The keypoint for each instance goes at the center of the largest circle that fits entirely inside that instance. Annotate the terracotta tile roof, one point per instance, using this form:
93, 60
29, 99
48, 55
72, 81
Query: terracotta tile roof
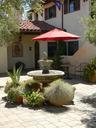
35, 26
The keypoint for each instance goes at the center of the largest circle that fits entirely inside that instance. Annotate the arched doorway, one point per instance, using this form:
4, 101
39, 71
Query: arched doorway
36, 55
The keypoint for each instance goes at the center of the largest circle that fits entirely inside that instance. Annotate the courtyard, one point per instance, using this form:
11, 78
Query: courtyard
76, 115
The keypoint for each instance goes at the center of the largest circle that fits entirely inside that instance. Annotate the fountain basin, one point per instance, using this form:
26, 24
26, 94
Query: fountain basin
46, 78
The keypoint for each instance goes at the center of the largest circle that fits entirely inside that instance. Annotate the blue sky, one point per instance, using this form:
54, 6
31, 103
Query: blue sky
26, 8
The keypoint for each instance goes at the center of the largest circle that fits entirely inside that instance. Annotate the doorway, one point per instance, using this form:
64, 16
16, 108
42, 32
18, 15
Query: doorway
36, 54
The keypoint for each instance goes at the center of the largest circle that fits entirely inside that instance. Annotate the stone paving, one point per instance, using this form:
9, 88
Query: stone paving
78, 115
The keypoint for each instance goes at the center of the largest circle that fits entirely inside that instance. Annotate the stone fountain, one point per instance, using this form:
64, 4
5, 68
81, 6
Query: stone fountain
45, 75
45, 63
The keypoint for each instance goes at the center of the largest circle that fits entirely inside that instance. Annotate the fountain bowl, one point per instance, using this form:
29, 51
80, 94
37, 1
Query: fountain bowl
46, 78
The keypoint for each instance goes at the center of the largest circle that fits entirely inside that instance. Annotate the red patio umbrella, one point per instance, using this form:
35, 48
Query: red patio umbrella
56, 34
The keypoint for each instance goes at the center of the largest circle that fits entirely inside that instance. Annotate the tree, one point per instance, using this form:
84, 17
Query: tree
91, 23
10, 17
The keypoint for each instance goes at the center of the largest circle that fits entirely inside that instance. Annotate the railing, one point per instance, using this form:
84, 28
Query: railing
77, 70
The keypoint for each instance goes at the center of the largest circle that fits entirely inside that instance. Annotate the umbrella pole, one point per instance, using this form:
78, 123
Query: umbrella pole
57, 46
67, 48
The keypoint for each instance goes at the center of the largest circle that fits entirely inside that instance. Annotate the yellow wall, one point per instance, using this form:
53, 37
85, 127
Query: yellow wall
3, 59
28, 56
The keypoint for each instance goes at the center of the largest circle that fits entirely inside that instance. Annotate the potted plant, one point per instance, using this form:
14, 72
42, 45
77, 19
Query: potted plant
90, 71
14, 96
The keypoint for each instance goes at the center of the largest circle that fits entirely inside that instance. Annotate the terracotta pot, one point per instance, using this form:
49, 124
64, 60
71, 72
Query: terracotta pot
19, 99
93, 78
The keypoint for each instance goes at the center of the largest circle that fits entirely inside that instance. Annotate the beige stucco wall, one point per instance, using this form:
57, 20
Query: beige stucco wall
43, 48
72, 21
40, 16
28, 56
73, 24
3, 59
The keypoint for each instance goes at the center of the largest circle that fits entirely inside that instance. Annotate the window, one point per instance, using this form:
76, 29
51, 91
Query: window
52, 47
65, 48
50, 12
68, 48
72, 47
17, 50
71, 6
66, 6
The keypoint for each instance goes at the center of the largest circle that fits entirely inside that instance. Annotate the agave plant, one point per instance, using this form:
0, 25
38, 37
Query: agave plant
15, 76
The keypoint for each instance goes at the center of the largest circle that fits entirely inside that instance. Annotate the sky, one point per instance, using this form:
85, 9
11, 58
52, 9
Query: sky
26, 8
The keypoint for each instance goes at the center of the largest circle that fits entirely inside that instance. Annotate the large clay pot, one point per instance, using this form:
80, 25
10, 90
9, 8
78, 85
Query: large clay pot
19, 99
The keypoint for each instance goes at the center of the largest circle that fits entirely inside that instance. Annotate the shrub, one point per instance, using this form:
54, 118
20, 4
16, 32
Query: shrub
8, 86
57, 62
59, 93
14, 96
90, 69
34, 99
31, 85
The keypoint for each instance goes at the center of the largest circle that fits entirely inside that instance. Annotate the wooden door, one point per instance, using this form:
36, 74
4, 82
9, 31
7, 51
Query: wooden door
36, 55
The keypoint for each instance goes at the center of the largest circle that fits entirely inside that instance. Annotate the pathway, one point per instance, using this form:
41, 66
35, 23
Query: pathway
78, 115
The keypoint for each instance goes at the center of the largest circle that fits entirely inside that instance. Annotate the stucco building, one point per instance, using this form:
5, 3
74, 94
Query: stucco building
28, 51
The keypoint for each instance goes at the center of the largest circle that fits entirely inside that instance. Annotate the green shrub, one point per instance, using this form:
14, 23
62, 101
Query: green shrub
34, 99
14, 95
15, 76
57, 61
31, 85
90, 69
59, 93
8, 86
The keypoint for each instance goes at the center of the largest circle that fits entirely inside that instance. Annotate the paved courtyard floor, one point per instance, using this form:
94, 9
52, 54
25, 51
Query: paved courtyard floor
78, 115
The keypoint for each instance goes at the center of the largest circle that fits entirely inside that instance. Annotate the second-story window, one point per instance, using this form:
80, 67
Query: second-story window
71, 6
66, 10
50, 12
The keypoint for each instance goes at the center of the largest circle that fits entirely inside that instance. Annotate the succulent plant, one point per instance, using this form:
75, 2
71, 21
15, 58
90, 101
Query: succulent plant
33, 99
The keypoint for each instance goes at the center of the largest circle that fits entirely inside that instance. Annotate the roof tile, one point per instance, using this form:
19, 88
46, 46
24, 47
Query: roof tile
35, 26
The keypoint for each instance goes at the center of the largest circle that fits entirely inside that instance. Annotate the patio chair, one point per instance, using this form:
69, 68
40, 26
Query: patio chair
78, 70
